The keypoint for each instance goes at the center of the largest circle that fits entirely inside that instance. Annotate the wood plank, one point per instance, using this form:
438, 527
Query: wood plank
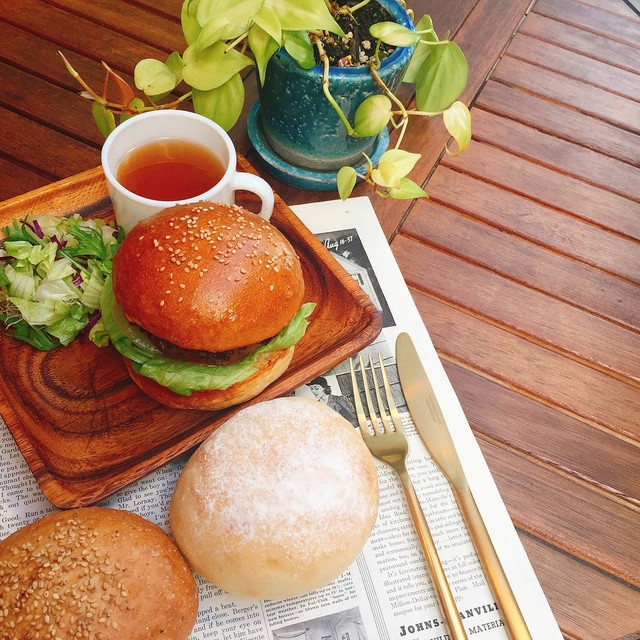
525, 262
150, 27
598, 47
526, 366
44, 62
585, 98
446, 15
600, 531
576, 65
43, 150
619, 7
560, 122
48, 103
617, 27
17, 179
564, 234
89, 39
607, 605
534, 429
550, 188
167, 7
502, 299
566, 157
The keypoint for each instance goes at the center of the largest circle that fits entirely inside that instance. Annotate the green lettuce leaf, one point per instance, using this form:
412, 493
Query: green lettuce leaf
185, 377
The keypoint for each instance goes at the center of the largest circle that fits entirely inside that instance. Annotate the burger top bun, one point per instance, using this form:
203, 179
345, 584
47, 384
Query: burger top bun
208, 276
95, 573
278, 501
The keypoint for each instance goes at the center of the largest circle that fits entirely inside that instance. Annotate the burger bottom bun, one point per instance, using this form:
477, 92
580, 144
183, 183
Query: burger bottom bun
278, 501
270, 367
95, 573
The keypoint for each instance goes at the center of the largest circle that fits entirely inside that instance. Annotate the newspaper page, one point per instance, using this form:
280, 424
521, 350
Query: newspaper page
387, 593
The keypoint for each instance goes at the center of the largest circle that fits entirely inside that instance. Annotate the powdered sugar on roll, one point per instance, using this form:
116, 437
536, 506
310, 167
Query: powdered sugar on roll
278, 501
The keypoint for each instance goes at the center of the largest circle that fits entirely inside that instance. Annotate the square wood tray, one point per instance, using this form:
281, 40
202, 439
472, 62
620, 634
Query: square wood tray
85, 429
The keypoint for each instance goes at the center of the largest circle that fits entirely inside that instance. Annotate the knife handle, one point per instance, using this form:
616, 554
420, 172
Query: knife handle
513, 619
438, 577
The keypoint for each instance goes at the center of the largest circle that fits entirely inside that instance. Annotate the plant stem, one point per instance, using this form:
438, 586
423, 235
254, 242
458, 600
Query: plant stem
355, 7
83, 84
413, 112
325, 89
388, 92
237, 41
116, 107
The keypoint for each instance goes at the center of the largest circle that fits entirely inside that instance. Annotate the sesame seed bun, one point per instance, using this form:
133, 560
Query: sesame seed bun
208, 276
95, 573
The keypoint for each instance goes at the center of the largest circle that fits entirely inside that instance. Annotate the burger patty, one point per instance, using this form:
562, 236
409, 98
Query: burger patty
197, 356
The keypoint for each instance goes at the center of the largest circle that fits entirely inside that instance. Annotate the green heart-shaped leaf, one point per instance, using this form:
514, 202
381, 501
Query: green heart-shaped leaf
298, 46
153, 77
408, 190
372, 116
263, 47
346, 181
223, 104
457, 120
424, 47
268, 20
211, 68
304, 15
175, 63
212, 32
441, 78
395, 34
188, 20
393, 166
103, 118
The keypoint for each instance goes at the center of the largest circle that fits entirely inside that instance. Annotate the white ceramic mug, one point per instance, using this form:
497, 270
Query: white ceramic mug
130, 208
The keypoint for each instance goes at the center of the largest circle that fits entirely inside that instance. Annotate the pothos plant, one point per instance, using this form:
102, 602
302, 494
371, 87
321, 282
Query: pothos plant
225, 38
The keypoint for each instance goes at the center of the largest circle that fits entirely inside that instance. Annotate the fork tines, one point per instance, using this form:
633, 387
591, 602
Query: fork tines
379, 423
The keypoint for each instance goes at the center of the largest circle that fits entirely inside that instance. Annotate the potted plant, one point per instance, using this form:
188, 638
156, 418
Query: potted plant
290, 43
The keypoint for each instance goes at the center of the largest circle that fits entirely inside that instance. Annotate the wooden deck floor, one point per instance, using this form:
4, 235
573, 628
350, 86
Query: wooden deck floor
530, 244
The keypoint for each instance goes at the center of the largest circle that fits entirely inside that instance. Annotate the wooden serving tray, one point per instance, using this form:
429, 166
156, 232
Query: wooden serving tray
85, 429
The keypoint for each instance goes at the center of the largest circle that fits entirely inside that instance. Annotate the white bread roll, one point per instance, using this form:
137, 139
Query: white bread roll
278, 501
95, 573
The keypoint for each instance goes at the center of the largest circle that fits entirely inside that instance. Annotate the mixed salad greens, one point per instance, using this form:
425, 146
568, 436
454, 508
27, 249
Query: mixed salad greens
52, 271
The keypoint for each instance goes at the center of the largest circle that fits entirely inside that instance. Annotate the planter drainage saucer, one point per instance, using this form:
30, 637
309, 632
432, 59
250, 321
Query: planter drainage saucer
296, 176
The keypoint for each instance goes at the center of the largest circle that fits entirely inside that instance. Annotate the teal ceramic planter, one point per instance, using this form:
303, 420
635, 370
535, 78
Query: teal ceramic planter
298, 124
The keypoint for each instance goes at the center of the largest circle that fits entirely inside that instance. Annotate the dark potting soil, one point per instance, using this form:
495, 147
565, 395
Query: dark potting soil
360, 45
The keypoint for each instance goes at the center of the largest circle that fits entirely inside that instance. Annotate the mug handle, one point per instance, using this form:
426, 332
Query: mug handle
249, 182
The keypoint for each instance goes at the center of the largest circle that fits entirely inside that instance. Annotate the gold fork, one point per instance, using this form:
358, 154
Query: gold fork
387, 441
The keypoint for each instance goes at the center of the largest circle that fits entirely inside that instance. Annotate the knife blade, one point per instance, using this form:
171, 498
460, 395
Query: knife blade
430, 423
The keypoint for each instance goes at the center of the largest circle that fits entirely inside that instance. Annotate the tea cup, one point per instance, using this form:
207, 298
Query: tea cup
142, 129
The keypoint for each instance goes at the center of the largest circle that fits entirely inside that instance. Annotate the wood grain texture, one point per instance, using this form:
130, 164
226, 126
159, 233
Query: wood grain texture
525, 263
585, 98
86, 430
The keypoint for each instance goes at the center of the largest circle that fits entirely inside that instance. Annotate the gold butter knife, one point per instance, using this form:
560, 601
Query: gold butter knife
430, 423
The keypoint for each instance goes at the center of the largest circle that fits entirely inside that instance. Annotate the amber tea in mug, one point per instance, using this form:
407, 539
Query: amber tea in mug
170, 169
196, 138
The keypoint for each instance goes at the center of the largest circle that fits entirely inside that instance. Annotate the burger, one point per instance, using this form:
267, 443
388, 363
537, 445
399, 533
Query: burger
205, 304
